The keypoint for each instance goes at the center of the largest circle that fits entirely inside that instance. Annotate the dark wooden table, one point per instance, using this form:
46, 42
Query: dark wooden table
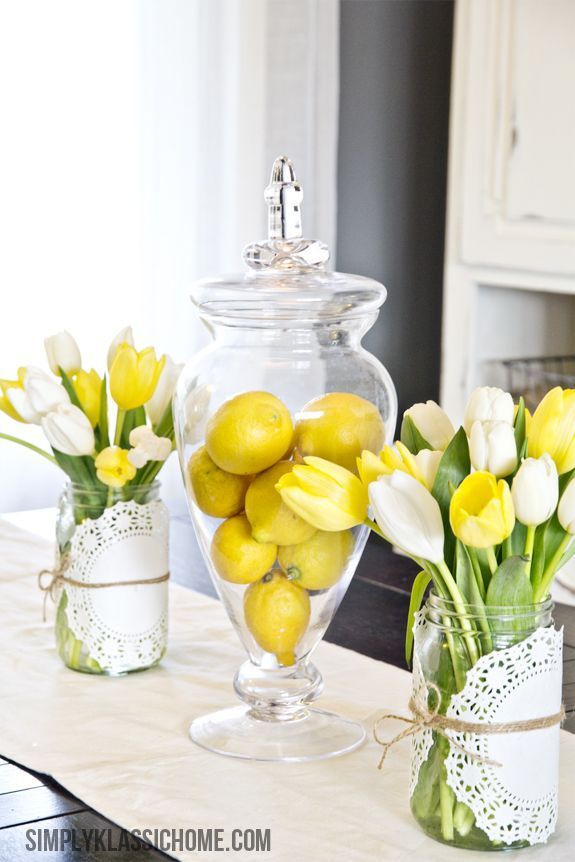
371, 620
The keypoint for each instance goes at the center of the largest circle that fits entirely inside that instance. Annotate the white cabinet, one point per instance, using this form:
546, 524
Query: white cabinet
510, 254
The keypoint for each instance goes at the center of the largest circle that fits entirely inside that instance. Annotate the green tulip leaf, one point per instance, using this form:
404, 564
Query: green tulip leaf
510, 585
133, 419
453, 468
520, 430
102, 426
418, 589
69, 387
548, 537
411, 437
466, 577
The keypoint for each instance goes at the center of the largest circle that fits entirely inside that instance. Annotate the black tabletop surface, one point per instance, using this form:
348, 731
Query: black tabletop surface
371, 620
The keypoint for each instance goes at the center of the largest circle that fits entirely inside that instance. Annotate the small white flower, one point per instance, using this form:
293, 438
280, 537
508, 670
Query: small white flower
147, 446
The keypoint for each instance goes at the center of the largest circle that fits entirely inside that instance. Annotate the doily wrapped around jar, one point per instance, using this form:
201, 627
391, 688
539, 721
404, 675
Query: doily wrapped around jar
505, 784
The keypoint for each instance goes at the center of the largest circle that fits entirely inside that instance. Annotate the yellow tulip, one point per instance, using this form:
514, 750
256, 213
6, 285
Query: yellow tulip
327, 496
553, 429
481, 512
134, 375
422, 466
5, 404
88, 388
370, 467
113, 467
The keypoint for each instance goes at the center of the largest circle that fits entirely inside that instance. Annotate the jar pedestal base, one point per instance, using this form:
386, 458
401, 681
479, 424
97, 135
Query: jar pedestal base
312, 734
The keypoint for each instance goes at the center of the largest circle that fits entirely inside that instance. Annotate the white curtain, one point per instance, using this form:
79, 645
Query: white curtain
137, 138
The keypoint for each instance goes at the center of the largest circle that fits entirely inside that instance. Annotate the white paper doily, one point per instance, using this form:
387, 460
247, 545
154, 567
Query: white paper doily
122, 627
516, 801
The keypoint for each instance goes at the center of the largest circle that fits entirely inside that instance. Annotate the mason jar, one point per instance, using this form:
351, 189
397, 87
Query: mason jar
482, 790
110, 582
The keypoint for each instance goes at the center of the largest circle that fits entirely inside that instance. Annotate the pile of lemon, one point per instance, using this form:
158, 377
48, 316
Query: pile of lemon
250, 443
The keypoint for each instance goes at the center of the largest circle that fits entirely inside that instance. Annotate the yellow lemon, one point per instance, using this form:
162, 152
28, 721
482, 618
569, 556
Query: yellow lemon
216, 492
318, 563
236, 556
270, 518
277, 613
338, 427
249, 433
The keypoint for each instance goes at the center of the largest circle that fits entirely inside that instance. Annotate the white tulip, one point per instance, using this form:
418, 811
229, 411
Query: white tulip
427, 462
147, 446
43, 392
433, 424
566, 510
63, 352
535, 490
408, 515
124, 336
20, 401
492, 447
158, 403
68, 430
488, 404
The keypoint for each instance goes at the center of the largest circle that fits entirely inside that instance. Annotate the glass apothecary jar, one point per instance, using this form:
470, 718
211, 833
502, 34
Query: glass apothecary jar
498, 790
111, 581
285, 378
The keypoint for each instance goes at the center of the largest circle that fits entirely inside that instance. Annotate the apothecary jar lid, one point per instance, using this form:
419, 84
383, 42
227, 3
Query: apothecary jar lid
286, 278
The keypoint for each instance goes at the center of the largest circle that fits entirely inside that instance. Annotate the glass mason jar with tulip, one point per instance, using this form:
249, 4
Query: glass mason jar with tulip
110, 577
489, 524
270, 420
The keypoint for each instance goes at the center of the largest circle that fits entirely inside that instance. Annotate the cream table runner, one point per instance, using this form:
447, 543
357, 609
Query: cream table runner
121, 745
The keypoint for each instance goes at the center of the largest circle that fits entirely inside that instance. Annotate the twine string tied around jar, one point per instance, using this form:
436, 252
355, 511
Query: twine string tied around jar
423, 716
50, 580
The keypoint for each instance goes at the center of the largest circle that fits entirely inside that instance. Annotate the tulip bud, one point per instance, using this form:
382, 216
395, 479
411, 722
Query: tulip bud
134, 376
433, 424
408, 515
15, 402
158, 403
492, 447
326, 495
68, 430
44, 393
147, 446
124, 336
481, 511
553, 428
488, 404
63, 353
535, 490
566, 510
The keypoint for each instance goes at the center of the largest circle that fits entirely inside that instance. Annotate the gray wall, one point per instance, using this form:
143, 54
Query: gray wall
394, 113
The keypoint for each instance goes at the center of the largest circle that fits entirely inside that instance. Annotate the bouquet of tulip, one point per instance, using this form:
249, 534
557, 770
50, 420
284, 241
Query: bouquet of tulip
108, 473
72, 407
487, 513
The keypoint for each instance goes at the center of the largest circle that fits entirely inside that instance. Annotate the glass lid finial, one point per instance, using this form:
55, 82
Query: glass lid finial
285, 247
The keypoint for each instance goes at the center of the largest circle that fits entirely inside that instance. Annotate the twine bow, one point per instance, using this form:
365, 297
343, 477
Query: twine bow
423, 716
50, 580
